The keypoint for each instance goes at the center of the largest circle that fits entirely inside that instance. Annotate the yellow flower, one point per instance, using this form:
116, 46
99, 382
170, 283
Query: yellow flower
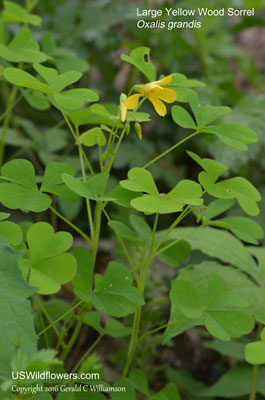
123, 107
155, 93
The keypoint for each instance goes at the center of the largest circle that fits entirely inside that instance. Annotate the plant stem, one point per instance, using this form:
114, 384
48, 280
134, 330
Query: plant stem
61, 317
255, 370
137, 316
94, 344
10, 102
170, 149
73, 226
253, 389
89, 214
47, 315
123, 247
73, 337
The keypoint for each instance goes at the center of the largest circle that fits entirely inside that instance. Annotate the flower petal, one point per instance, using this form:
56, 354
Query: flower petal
133, 101
159, 105
123, 111
167, 95
164, 81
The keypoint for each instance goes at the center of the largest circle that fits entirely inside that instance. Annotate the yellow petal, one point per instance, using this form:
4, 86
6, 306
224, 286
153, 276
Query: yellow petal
123, 111
167, 95
159, 106
133, 101
164, 81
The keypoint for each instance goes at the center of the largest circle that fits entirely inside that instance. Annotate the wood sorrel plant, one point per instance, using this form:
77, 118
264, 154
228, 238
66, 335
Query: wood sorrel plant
225, 298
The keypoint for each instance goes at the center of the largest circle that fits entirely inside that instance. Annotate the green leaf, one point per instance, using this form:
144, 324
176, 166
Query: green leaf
255, 353
140, 180
156, 204
169, 392
24, 79
55, 81
141, 227
234, 135
90, 189
92, 137
212, 167
180, 80
217, 207
24, 48
11, 233
175, 253
182, 117
116, 329
227, 349
140, 58
22, 192
36, 99
184, 295
210, 302
208, 241
127, 394
122, 196
187, 192
240, 188
82, 282
114, 293
15, 311
4, 215
15, 13
244, 228
139, 380
235, 383
53, 182
47, 266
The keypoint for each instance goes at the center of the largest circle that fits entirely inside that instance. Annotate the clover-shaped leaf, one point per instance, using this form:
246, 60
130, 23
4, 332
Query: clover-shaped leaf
46, 265
23, 48
21, 191
211, 303
140, 58
15, 13
114, 293
244, 228
140, 180
91, 189
92, 137
212, 167
255, 352
240, 188
53, 182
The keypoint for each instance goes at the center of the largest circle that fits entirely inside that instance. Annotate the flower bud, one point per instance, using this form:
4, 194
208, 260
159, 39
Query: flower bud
127, 128
138, 130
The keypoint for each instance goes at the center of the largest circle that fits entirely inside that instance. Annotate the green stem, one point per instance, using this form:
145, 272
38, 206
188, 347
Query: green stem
254, 380
94, 344
10, 102
137, 315
159, 328
47, 315
89, 213
170, 149
255, 370
123, 247
73, 226
73, 337
60, 318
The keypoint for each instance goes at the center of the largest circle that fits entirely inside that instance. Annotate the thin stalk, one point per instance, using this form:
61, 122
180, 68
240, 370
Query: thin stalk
184, 213
255, 370
61, 317
89, 213
47, 315
6, 122
73, 338
159, 328
137, 315
2, 116
94, 344
123, 247
73, 226
170, 149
